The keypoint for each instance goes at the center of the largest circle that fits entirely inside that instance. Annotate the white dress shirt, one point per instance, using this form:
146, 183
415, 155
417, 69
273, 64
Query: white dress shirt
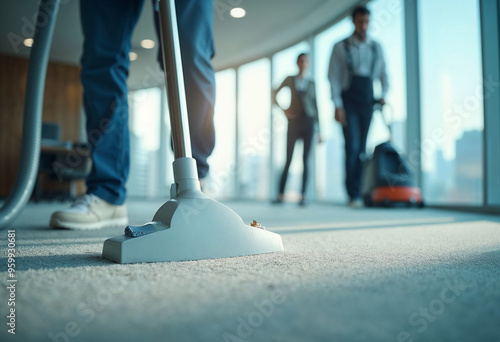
362, 61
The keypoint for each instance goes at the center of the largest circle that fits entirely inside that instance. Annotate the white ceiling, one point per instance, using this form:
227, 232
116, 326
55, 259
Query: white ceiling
269, 26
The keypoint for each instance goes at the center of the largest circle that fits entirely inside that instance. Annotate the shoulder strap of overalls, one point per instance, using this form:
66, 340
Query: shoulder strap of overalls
350, 66
374, 59
348, 56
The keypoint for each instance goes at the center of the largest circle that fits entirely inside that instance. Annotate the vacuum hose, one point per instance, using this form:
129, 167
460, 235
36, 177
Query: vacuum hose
32, 119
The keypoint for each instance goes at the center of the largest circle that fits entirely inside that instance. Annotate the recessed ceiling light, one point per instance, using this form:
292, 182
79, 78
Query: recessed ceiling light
238, 12
28, 42
147, 43
132, 56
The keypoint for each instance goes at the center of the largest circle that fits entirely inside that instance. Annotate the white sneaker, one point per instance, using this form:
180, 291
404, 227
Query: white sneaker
90, 212
356, 203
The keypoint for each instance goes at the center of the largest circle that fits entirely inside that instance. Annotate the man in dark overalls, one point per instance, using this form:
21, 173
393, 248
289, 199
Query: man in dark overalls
355, 63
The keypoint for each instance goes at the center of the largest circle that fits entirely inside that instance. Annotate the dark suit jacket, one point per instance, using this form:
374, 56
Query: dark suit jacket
305, 103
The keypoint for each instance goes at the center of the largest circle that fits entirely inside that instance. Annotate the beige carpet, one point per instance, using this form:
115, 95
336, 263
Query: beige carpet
345, 275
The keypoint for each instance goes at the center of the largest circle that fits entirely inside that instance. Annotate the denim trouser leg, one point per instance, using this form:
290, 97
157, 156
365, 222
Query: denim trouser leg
195, 22
358, 116
107, 28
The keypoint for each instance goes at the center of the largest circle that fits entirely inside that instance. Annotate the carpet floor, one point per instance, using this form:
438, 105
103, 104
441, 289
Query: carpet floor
345, 275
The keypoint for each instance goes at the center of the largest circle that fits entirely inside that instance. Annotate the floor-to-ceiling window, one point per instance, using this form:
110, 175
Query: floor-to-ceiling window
250, 151
254, 133
145, 114
451, 101
387, 28
220, 182
330, 173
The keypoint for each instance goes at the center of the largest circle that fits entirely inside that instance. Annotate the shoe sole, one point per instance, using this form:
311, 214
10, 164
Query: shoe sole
58, 224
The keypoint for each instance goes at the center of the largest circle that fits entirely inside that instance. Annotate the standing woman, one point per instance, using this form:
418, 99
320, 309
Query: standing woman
302, 118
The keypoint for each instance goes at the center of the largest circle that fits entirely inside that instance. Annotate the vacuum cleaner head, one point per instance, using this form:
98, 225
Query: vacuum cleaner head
190, 226
388, 180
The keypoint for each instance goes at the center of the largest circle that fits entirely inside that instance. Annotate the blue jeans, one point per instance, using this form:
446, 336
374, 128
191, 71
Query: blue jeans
358, 106
107, 28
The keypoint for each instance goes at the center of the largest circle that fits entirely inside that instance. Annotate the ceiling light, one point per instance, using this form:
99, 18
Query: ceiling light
147, 43
238, 12
28, 42
132, 56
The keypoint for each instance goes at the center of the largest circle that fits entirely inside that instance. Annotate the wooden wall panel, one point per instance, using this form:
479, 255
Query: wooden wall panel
62, 104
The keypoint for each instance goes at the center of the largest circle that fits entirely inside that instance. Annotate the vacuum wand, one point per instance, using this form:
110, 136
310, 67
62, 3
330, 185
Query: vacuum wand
174, 78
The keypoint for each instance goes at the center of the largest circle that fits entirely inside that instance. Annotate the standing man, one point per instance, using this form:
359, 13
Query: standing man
355, 63
107, 29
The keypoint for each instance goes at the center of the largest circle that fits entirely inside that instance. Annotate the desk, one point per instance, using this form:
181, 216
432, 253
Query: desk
82, 150
61, 166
